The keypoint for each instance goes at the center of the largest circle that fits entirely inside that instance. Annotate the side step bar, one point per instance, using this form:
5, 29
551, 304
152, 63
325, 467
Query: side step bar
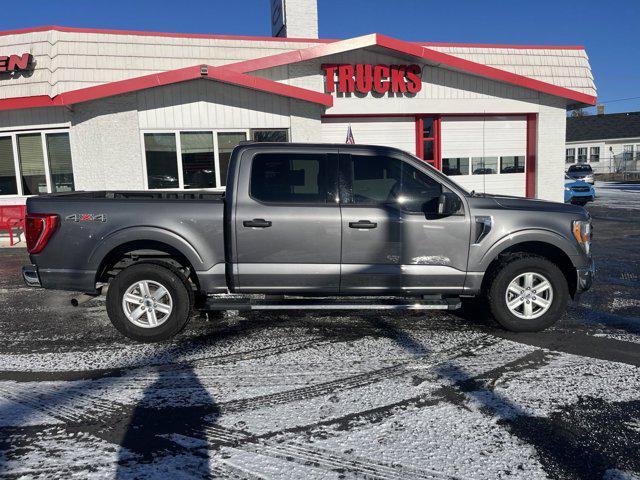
243, 303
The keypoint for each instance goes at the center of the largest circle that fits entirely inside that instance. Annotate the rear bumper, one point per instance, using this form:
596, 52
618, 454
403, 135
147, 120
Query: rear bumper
585, 276
30, 276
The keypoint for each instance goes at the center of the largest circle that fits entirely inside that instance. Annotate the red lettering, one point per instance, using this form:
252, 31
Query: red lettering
345, 79
398, 83
380, 72
19, 62
330, 75
414, 77
364, 77
3, 63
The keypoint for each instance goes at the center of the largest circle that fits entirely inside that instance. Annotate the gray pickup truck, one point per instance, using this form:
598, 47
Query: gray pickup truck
305, 226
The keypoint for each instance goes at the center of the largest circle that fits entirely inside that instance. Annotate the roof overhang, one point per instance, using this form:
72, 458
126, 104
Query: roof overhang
206, 72
414, 51
238, 74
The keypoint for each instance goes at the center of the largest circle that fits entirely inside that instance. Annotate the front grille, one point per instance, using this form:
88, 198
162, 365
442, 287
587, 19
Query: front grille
580, 189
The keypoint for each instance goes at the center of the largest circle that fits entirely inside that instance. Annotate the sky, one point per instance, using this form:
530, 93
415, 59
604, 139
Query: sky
608, 29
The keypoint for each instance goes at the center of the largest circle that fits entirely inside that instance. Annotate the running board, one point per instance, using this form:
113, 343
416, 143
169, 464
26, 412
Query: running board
218, 303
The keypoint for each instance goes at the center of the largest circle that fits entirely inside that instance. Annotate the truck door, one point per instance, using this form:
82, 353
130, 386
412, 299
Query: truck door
287, 221
393, 240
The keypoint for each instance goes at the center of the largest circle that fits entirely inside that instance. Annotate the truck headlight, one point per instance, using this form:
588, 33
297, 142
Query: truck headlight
582, 233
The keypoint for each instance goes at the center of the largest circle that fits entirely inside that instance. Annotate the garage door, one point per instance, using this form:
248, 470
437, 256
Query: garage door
390, 132
486, 154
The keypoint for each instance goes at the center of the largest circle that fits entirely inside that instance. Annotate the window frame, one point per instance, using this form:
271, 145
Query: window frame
45, 153
586, 155
572, 156
346, 180
592, 155
331, 158
266, 129
176, 133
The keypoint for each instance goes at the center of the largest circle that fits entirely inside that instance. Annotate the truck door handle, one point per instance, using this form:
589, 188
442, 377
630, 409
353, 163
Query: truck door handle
363, 224
257, 223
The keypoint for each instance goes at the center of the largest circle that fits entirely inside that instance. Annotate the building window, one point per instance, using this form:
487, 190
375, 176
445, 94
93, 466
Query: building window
198, 160
189, 159
484, 165
60, 165
270, 135
455, 166
594, 154
227, 141
570, 156
582, 154
8, 183
512, 164
289, 178
34, 178
627, 153
32, 163
162, 160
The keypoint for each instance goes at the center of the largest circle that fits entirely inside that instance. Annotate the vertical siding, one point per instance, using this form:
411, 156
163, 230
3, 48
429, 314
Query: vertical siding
391, 132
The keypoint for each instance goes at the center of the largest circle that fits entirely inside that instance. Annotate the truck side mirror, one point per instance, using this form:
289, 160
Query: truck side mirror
449, 204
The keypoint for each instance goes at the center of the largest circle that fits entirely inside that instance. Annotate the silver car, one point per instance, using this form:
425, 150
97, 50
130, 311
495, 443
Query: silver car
582, 171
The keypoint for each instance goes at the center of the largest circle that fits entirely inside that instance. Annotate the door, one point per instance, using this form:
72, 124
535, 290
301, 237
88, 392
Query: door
287, 222
393, 240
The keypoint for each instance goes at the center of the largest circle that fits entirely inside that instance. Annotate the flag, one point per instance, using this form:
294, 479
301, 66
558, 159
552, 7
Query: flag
350, 139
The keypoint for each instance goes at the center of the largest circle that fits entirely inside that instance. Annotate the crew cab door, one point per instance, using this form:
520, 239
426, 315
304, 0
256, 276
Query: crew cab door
393, 239
287, 221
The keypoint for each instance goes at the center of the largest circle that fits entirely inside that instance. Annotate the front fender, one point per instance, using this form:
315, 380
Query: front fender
144, 233
482, 260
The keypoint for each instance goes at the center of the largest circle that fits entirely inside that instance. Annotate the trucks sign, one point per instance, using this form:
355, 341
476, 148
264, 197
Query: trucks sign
15, 63
365, 78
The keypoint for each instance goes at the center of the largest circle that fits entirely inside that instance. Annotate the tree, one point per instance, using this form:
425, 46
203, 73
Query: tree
578, 112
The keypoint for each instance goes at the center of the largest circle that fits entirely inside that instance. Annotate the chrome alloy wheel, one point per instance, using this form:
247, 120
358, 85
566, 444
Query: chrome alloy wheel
529, 296
147, 304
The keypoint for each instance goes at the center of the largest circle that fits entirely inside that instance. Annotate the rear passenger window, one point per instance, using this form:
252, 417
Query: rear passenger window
289, 178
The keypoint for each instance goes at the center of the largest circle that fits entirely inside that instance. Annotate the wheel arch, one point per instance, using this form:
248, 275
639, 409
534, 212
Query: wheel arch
550, 251
121, 255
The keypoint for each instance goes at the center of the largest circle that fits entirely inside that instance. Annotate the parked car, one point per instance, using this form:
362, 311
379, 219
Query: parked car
369, 227
581, 171
578, 192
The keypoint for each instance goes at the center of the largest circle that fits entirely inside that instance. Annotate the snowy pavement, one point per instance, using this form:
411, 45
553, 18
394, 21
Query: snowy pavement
326, 395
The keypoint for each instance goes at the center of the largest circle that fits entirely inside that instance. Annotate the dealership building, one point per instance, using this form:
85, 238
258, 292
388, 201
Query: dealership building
91, 109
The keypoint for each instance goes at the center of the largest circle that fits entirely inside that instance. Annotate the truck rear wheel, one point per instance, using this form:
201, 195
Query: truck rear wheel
527, 294
149, 302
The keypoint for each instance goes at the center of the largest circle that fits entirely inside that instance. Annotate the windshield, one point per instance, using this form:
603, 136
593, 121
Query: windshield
580, 168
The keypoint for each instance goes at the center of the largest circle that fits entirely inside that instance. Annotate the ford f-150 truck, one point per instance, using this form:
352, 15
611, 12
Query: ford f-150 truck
305, 226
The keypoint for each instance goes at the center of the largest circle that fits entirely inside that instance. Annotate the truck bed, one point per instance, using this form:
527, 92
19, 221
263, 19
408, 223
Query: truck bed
92, 226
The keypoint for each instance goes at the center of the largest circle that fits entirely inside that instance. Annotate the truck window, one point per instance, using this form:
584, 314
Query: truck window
289, 178
377, 180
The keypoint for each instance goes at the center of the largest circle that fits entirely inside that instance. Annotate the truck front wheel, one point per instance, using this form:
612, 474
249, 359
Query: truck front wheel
149, 302
527, 293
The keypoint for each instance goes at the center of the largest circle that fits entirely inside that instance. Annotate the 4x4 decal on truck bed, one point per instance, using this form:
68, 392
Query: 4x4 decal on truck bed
86, 217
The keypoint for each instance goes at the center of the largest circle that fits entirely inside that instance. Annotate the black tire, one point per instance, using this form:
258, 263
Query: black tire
509, 269
164, 274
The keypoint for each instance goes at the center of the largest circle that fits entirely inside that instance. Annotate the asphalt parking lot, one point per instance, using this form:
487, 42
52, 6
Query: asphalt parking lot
310, 395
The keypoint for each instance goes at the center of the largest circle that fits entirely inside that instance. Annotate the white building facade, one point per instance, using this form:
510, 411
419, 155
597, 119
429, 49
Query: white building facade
97, 109
610, 143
